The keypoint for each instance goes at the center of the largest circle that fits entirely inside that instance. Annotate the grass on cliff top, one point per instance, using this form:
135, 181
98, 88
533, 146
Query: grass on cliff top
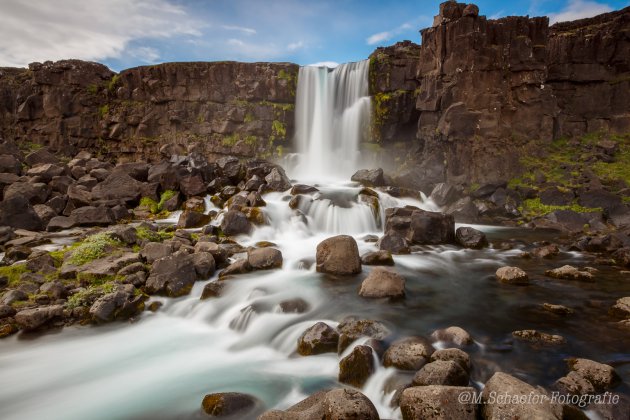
563, 162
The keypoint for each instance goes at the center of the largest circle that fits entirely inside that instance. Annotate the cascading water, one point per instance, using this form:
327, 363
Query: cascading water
332, 113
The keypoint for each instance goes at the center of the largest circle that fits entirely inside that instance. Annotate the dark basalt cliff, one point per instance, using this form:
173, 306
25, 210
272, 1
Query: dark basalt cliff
488, 92
463, 107
243, 109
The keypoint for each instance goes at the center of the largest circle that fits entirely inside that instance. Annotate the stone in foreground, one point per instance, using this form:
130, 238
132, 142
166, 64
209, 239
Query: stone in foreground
438, 402
338, 255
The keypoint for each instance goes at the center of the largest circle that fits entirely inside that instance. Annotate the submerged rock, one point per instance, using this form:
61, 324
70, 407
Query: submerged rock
338, 255
512, 275
538, 337
568, 272
382, 257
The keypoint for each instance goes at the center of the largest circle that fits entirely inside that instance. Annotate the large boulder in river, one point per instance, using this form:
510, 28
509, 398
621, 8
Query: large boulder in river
173, 275
525, 402
418, 226
441, 372
568, 272
192, 219
351, 329
621, 308
18, 213
277, 180
437, 402
512, 275
369, 177
381, 283
264, 258
382, 257
320, 338
116, 305
338, 255
235, 222
470, 238
229, 404
356, 368
409, 353
31, 319
601, 376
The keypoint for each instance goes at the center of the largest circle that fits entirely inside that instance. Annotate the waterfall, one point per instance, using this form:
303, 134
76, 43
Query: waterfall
332, 114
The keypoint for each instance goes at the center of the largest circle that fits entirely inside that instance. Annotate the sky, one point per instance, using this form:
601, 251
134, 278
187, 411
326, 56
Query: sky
130, 33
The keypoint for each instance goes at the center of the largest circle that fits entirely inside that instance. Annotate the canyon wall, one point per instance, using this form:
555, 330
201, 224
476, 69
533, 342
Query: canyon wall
243, 109
491, 91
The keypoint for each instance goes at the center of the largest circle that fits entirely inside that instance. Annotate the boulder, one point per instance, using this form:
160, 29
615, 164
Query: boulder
13, 296
438, 403
79, 196
17, 213
294, 306
229, 404
93, 216
120, 186
574, 384
204, 264
369, 177
357, 367
212, 289
116, 305
31, 319
230, 167
153, 251
456, 355
552, 196
601, 376
235, 223
192, 219
303, 189
537, 337
46, 172
277, 180
470, 238
338, 255
621, 308
381, 283
264, 258
444, 194
512, 275
352, 329
455, 335
173, 275
320, 338
409, 353
238, 267
382, 257
44, 213
546, 251
441, 372
10, 164
525, 402
41, 156
191, 185
568, 272
6, 311
418, 226
393, 243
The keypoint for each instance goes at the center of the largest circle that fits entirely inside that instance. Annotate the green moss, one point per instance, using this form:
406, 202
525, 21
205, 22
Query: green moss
13, 273
291, 79
90, 294
533, 208
249, 117
113, 83
620, 168
278, 129
166, 195
103, 111
150, 204
92, 248
92, 89
231, 140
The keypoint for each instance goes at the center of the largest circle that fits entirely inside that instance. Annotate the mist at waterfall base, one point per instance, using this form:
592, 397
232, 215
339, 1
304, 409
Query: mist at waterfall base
162, 365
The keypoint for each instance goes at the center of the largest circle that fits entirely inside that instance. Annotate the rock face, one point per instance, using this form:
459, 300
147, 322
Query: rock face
338, 255
214, 108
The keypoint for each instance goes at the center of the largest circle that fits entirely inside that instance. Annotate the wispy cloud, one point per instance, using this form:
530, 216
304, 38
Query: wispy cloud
294, 46
379, 37
329, 64
248, 31
387, 35
38, 30
579, 9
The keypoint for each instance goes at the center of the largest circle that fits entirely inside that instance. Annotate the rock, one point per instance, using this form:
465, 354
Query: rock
471, 10
444, 194
438, 403
264, 258
17, 213
470, 238
192, 219
230, 167
621, 308
409, 353
191, 185
441, 372
382, 257
547, 251
173, 275
338, 255
557, 309
277, 180
535, 403
382, 283
78, 196
512, 275
16, 253
574, 384
204, 264
463, 210
622, 257
10, 164
303, 189
6, 311
31, 319
41, 156
369, 177
235, 223
320, 338
46, 172
456, 355
598, 198
352, 329
241, 266
394, 244
601, 376
357, 367
294, 306
418, 226
229, 404
44, 213
93, 216
455, 335
568, 272
212, 289
116, 305
120, 186
13, 296
537, 337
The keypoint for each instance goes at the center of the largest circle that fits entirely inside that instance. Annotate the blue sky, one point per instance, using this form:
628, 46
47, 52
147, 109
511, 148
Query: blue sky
128, 33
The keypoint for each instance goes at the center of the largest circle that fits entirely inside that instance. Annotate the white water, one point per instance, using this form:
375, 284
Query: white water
332, 114
161, 366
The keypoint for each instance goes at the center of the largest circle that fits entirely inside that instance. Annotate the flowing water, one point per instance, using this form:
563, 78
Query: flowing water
163, 364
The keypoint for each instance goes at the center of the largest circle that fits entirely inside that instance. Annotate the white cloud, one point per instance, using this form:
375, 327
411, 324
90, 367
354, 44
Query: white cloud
295, 46
39, 30
329, 64
379, 37
248, 31
579, 9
